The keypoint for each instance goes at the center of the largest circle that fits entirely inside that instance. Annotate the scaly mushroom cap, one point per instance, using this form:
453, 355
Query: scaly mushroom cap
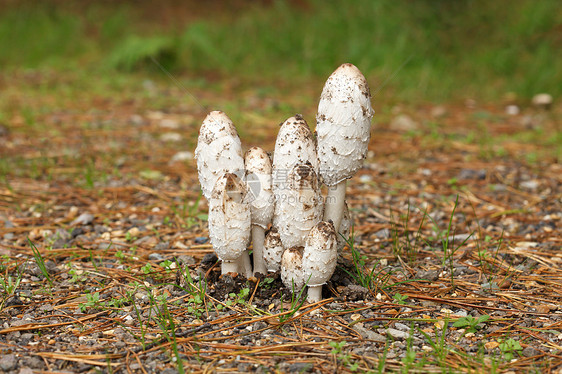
345, 228
294, 144
258, 181
218, 151
291, 268
343, 124
229, 218
272, 250
320, 254
299, 205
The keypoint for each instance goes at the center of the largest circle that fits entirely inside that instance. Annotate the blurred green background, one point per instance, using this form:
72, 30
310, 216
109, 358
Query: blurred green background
412, 50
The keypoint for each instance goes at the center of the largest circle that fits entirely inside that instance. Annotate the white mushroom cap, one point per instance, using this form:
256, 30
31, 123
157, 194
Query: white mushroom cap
258, 181
291, 268
343, 124
273, 250
218, 151
345, 228
229, 218
299, 205
295, 144
320, 254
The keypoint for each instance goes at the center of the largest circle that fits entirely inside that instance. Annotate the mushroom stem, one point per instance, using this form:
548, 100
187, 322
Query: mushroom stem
334, 206
314, 294
245, 264
258, 238
229, 267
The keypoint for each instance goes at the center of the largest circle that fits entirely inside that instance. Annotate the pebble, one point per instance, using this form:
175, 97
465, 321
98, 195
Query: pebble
438, 111
25, 370
530, 185
512, 110
168, 123
530, 351
403, 122
182, 156
171, 137
201, 240
542, 101
83, 219
8, 362
401, 326
465, 174
397, 334
155, 257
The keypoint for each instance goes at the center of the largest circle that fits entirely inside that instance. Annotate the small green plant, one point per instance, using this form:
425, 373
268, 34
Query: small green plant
509, 348
40, 262
267, 282
77, 276
147, 269
93, 301
470, 323
400, 299
339, 355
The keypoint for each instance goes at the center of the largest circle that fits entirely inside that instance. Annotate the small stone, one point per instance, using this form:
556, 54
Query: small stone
137, 120
403, 122
8, 362
182, 156
530, 184
172, 137
168, 123
465, 174
512, 110
438, 111
155, 257
201, 240
530, 351
401, 326
542, 101
369, 334
430, 275
83, 219
25, 370
397, 334
365, 178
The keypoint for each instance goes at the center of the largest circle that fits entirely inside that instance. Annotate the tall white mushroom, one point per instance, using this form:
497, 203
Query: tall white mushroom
343, 127
272, 250
299, 205
291, 269
258, 180
219, 151
229, 220
319, 258
295, 144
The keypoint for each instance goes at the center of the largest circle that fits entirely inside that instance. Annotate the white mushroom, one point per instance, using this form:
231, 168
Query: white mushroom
258, 181
291, 269
218, 151
294, 144
229, 221
345, 228
319, 258
343, 127
272, 250
299, 206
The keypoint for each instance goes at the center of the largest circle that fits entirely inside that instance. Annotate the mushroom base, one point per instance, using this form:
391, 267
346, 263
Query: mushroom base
335, 204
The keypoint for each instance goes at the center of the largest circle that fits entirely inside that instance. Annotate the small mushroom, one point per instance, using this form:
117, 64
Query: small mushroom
291, 269
299, 206
258, 181
272, 250
319, 258
229, 221
343, 126
218, 151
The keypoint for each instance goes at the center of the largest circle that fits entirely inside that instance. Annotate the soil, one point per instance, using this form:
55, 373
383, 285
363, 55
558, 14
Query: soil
457, 261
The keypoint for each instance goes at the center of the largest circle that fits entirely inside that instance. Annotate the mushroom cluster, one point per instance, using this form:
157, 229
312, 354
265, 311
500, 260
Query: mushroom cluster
278, 205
